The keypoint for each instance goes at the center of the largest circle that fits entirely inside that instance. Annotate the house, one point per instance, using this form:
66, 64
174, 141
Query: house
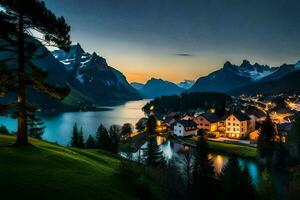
238, 125
207, 121
185, 128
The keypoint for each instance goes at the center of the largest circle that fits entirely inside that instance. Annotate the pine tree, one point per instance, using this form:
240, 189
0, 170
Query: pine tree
266, 141
114, 133
75, 136
20, 17
280, 157
236, 183
293, 140
90, 143
80, 139
231, 177
154, 155
102, 139
36, 126
151, 125
203, 175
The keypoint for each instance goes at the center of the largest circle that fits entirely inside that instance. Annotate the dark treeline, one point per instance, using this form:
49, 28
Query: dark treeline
105, 139
188, 101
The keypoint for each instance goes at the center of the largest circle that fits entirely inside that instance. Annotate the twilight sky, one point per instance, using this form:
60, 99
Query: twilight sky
183, 39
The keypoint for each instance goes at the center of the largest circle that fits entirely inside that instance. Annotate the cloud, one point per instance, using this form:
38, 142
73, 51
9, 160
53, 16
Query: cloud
184, 54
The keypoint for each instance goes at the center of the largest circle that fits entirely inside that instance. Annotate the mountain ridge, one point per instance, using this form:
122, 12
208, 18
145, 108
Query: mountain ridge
232, 76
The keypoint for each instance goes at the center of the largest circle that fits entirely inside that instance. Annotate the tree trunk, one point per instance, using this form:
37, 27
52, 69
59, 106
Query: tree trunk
22, 138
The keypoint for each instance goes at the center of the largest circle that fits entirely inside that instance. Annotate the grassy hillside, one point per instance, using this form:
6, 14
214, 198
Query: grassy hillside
49, 171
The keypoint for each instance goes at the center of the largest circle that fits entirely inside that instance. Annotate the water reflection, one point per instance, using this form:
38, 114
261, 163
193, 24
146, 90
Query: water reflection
59, 127
175, 151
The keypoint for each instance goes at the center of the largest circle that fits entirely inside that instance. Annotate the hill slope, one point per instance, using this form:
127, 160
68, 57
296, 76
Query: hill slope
48, 171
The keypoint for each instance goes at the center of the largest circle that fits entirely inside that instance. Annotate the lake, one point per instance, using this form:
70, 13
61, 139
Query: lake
173, 150
59, 127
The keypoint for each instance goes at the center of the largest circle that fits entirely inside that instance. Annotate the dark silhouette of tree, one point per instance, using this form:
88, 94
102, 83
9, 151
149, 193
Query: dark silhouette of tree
20, 17
293, 140
236, 183
36, 126
266, 141
80, 139
90, 143
75, 136
151, 125
126, 129
203, 175
186, 101
141, 124
154, 155
114, 133
281, 156
221, 109
102, 139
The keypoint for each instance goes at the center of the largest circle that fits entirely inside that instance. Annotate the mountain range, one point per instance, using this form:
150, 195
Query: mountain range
101, 82
91, 80
157, 87
233, 78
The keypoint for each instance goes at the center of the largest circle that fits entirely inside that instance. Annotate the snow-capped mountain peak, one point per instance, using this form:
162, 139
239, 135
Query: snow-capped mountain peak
255, 72
95, 74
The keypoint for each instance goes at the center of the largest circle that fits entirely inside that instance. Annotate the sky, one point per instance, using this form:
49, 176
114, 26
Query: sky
183, 39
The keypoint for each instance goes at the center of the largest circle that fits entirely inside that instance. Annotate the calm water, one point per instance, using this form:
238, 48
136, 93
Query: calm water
59, 127
173, 150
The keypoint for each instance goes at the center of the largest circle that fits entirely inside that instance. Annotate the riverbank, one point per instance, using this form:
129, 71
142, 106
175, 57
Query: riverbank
225, 148
51, 171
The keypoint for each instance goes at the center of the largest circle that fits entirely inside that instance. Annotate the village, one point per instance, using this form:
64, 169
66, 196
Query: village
242, 120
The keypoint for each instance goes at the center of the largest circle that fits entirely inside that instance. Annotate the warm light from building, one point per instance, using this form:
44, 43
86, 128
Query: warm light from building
158, 123
152, 108
212, 110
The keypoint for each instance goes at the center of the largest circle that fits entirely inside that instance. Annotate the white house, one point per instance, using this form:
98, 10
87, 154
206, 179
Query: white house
238, 125
185, 128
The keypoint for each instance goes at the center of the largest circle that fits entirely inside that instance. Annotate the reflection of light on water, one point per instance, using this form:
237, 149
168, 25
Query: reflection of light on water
219, 164
167, 150
160, 140
253, 170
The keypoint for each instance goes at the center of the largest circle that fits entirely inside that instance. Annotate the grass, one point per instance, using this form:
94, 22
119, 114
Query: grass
49, 171
239, 150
